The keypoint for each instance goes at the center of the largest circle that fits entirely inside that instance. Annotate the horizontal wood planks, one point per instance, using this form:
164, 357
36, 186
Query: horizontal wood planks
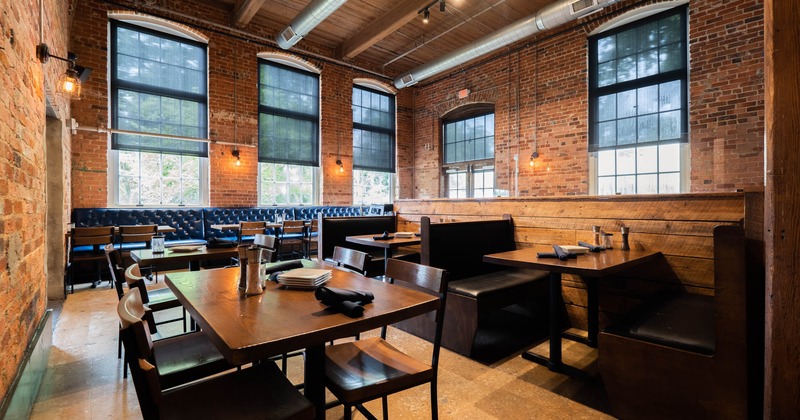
680, 226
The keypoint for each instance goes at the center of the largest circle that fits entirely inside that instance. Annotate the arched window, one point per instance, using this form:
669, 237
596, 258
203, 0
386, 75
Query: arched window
159, 85
468, 152
373, 143
288, 130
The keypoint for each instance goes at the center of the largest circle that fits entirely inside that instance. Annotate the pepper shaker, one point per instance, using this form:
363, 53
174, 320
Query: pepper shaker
625, 231
597, 236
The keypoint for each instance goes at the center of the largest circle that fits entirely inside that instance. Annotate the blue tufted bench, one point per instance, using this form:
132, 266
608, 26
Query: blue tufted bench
188, 222
234, 215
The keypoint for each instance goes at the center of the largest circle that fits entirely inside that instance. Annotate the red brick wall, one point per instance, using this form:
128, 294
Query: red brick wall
233, 95
25, 85
544, 85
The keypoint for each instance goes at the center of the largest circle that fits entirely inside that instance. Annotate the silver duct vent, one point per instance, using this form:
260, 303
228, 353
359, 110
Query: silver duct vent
548, 17
308, 19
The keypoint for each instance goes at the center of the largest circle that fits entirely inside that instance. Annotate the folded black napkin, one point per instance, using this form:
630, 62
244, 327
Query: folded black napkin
348, 302
559, 253
593, 248
221, 243
382, 237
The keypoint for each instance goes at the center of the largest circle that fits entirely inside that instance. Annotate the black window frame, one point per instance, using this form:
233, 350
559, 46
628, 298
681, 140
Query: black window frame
391, 132
280, 112
469, 167
116, 85
681, 74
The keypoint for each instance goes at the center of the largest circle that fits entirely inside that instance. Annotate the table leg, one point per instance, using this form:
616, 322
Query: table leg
593, 320
314, 379
554, 362
194, 265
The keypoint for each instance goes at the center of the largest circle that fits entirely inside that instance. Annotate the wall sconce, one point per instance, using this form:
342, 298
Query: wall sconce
235, 153
70, 82
534, 155
341, 165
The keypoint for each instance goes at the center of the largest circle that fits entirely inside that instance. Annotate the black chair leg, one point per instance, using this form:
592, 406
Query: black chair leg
385, 401
348, 412
434, 402
119, 346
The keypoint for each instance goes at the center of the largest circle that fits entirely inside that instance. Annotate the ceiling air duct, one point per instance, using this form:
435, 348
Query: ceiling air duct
548, 17
307, 20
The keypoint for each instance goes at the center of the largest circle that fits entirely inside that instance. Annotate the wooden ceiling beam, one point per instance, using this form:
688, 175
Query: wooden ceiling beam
243, 12
381, 27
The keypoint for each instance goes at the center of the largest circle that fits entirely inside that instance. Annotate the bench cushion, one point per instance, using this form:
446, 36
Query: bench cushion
495, 282
685, 321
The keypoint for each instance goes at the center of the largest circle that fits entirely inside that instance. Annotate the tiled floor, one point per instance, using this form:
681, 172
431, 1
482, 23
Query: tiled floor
84, 377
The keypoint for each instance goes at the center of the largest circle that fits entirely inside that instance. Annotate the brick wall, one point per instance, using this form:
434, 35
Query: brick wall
25, 85
233, 109
543, 83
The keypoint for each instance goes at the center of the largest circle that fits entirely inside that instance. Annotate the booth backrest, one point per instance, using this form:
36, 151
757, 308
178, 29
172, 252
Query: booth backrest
234, 215
334, 230
459, 247
188, 222
312, 212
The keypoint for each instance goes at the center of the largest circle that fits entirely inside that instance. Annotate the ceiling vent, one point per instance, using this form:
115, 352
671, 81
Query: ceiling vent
288, 34
306, 20
580, 5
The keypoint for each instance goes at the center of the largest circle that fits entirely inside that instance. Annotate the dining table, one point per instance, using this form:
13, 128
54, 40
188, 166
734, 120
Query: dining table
235, 226
192, 255
249, 329
590, 267
388, 243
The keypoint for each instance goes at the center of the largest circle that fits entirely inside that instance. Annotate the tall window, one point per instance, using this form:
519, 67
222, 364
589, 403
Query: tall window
373, 145
469, 152
638, 113
288, 134
158, 85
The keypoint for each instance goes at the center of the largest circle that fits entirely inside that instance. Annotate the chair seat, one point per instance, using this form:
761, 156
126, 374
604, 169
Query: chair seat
685, 321
185, 358
259, 392
161, 299
129, 246
363, 370
495, 282
87, 251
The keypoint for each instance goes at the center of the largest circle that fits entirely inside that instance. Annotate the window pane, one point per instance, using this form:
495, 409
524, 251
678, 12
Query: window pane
648, 128
626, 131
284, 184
626, 184
606, 162
670, 125
670, 96
605, 185
606, 49
608, 134
607, 73
647, 184
647, 100
669, 159
647, 159
607, 106
669, 183
626, 161
626, 104
626, 69
128, 190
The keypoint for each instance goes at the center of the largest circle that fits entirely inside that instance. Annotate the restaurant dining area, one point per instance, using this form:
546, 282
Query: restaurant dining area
456, 209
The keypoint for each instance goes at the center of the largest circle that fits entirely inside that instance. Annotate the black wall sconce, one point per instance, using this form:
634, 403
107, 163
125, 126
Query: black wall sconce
70, 82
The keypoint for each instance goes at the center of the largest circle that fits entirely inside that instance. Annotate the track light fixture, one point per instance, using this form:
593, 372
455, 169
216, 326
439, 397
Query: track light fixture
70, 82
426, 11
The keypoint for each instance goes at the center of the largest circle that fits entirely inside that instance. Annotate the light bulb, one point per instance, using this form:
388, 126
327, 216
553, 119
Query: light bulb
238, 162
426, 16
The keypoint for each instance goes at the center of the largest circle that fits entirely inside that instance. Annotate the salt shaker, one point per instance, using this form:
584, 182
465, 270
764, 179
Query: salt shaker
597, 237
253, 279
625, 231
608, 241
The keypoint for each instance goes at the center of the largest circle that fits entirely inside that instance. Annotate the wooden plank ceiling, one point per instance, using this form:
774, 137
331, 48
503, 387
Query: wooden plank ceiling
388, 33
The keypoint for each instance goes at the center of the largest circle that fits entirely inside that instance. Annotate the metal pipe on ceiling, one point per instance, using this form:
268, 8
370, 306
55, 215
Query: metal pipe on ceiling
307, 20
546, 18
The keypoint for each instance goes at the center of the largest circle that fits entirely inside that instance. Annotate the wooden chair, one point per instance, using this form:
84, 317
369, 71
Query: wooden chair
291, 237
361, 371
156, 299
257, 392
87, 243
180, 359
311, 238
351, 259
248, 230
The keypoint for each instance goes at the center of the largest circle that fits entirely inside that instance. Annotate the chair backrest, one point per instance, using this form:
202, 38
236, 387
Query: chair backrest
96, 236
293, 226
313, 227
137, 233
252, 228
135, 280
114, 259
351, 259
135, 322
426, 279
265, 241
148, 388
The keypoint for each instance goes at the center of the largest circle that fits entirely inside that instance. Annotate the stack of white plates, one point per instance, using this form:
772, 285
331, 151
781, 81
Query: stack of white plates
404, 234
304, 277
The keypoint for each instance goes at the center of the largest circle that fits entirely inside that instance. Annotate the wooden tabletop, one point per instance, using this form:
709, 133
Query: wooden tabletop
246, 329
146, 257
395, 242
592, 264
